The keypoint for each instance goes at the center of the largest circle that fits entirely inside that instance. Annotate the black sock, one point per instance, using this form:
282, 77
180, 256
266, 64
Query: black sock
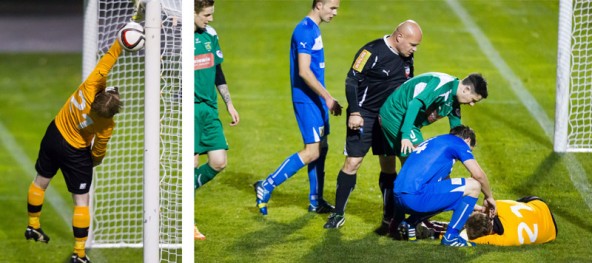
345, 185
386, 183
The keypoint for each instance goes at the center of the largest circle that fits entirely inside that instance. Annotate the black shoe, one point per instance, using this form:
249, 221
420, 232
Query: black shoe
76, 259
36, 234
407, 232
322, 208
334, 221
383, 229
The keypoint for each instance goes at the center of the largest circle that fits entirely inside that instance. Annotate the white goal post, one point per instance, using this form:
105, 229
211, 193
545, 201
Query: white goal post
573, 106
136, 191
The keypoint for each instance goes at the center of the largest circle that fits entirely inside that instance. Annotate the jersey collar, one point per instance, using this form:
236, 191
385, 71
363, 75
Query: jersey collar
389, 46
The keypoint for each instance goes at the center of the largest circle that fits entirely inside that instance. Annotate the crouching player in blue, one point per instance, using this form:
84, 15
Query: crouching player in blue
424, 188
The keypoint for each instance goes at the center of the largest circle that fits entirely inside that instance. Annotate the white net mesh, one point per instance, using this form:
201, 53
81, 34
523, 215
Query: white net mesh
579, 132
118, 182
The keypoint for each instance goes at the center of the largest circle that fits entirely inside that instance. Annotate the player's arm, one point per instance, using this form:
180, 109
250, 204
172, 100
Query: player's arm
352, 82
97, 79
412, 110
311, 81
454, 116
225, 94
99, 147
355, 120
478, 174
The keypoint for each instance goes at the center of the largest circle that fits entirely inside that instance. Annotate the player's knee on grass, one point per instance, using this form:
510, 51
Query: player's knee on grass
472, 187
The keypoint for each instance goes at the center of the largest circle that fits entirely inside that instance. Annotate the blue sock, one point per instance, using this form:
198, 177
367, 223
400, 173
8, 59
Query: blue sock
316, 177
288, 168
460, 215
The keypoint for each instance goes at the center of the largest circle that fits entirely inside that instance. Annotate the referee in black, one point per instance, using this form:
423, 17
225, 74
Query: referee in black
379, 67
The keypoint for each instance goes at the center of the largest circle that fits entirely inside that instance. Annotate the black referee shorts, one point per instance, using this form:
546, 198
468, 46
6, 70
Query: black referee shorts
358, 142
56, 153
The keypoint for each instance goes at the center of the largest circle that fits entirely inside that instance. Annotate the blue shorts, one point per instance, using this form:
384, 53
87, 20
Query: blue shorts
312, 120
435, 197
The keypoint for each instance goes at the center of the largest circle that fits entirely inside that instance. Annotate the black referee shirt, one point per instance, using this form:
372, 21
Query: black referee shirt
375, 73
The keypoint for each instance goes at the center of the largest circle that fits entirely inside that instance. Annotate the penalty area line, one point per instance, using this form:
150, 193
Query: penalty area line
576, 173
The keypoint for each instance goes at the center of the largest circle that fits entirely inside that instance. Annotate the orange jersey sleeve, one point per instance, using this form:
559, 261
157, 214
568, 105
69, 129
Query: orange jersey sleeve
74, 120
524, 223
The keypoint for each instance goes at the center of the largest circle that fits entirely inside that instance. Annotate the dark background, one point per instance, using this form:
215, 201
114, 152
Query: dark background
40, 7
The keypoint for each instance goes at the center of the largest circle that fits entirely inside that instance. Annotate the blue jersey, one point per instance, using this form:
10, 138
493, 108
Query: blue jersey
432, 161
306, 38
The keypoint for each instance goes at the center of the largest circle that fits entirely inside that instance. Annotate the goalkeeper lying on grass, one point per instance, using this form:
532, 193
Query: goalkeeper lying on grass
525, 221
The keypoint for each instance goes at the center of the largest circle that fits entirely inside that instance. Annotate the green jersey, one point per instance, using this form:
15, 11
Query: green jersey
421, 101
207, 55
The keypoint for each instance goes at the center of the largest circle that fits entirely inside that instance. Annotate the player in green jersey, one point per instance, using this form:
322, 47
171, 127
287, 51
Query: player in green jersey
209, 135
423, 100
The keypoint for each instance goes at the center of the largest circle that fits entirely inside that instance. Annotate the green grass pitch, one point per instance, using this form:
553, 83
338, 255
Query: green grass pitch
512, 147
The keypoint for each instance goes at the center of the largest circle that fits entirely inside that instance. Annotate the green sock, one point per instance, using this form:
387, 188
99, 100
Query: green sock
204, 174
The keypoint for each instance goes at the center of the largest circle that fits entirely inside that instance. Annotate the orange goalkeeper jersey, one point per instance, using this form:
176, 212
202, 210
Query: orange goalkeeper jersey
523, 223
75, 121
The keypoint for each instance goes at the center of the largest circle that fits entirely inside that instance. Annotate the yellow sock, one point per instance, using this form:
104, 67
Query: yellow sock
35, 198
79, 247
80, 225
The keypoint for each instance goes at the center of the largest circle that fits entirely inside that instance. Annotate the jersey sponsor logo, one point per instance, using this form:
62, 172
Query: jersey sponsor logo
203, 61
303, 44
361, 60
386, 72
318, 44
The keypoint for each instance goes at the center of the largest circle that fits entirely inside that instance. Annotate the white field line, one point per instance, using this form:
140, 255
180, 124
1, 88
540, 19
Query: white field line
576, 173
28, 167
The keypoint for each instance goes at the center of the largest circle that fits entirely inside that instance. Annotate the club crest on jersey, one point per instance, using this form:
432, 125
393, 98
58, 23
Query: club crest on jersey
208, 46
407, 71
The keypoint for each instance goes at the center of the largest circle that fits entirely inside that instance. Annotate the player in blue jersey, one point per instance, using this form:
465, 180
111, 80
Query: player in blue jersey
424, 188
312, 104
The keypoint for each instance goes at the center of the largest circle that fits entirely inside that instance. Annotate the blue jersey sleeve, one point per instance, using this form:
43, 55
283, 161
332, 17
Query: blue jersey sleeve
463, 152
304, 38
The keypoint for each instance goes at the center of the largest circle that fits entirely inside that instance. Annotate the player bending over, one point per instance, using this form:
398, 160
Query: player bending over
75, 142
424, 188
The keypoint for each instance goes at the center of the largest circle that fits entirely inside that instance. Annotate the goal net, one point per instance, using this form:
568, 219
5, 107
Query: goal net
573, 109
118, 193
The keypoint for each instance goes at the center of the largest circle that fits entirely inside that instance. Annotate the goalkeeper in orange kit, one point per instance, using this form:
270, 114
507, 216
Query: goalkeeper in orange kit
525, 221
74, 142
